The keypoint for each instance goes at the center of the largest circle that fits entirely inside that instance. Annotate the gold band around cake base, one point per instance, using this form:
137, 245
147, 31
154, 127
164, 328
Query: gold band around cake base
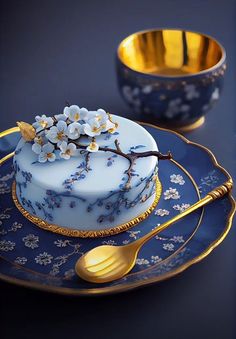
70, 232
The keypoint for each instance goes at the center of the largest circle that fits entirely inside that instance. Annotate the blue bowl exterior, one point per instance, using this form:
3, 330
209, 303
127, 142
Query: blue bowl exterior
173, 101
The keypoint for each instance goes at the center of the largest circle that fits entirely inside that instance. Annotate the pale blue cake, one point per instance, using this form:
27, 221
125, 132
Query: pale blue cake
92, 190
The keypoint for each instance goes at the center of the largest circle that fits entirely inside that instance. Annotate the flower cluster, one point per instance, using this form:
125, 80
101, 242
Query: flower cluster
56, 137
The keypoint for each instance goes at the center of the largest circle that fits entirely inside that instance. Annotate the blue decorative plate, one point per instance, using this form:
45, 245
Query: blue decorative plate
40, 259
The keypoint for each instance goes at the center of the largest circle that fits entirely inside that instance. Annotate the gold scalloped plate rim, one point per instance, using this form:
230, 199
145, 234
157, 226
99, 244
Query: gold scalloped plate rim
127, 287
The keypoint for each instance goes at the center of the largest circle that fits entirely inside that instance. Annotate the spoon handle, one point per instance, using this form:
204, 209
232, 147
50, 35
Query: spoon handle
217, 193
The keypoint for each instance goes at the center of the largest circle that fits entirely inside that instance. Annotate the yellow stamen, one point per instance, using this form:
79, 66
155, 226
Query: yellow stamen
60, 135
93, 146
98, 118
39, 140
112, 130
76, 116
95, 129
43, 123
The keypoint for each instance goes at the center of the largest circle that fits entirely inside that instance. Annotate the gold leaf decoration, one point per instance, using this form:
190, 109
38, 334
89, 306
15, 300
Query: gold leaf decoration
27, 131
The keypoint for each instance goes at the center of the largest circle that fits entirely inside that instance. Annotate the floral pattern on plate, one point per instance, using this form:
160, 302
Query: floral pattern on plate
168, 253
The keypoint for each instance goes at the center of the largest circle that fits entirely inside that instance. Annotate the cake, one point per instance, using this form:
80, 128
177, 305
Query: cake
85, 173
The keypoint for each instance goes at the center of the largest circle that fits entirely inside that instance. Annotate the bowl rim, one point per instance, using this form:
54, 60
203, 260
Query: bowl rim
210, 69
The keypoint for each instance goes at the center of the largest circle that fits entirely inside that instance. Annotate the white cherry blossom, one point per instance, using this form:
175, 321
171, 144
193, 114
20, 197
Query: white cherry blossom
133, 234
44, 259
39, 141
70, 273
67, 150
7, 245
58, 133
92, 128
47, 153
161, 212
42, 122
61, 243
171, 193
132, 95
181, 208
191, 92
93, 147
59, 117
75, 113
147, 89
177, 179
215, 94
20, 260
109, 126
155, 259
168, 247
75, 130
142, 261
177, 239
214, 97
100, 115
31, 241
176, 107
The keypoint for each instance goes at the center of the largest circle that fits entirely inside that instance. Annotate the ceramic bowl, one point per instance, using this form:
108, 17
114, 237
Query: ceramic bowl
171, 77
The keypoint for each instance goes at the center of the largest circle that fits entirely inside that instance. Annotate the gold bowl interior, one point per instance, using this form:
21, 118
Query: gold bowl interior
170, 52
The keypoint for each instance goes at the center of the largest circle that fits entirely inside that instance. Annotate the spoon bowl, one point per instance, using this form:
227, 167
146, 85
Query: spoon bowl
106, 263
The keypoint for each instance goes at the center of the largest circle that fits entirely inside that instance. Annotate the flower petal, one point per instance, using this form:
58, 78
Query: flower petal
42, 157
36, 148
48, 148
83, 113
52, 157
65, 156
62, 126
63, 146
72, 148
60, 117
93, 147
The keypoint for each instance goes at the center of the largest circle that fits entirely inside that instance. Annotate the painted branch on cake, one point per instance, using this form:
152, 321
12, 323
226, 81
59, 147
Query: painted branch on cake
83, 167
132, 156
111, 205
116, 200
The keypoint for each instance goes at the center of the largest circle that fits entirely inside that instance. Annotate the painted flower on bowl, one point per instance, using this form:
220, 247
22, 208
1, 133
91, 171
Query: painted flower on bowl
191, 92
175, 107
57, 134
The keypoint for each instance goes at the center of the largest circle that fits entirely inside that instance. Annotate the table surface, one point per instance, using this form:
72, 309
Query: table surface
52, 51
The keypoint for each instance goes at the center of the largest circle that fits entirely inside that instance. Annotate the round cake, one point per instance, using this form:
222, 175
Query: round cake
95, 178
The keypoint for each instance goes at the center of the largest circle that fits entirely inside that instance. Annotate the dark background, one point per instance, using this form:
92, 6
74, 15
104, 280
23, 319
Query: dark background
52, 51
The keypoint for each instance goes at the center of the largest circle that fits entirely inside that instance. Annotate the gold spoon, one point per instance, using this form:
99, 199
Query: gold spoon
107, 263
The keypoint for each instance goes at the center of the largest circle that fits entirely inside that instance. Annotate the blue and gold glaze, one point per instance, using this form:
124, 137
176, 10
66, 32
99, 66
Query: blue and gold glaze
171, 77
